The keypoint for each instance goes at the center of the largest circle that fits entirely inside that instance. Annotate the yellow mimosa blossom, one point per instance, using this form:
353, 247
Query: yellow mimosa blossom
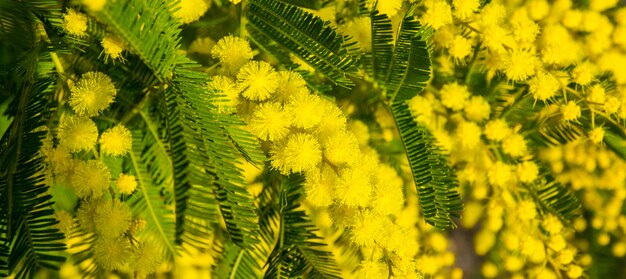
113, 46
116, 141
91, 179
94, 5
112, 253
233, 52
300, 152
77, 133
270, 121
75, 23
112, 218
93, 93
188, 11
126, 184
258, 80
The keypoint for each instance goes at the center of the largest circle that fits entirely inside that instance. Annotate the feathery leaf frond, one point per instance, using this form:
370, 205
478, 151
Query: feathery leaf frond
28, 226
149, 29
435, 180
206, 176
306, 36
298, 251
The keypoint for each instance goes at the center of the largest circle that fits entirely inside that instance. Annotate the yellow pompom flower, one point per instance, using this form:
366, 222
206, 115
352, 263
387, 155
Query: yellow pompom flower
301, 152
527, 172
515, 145
332, 121
454, 96
497, 130
116, 141
146, 258
612, 105
597, 94
499, 174
468, 134
543, 86
75, 23
126, 184
477, 109
201, 45
77, 133
552, 225
463, 9
112, 218
91, 179
421, 108
574, 271
113, 46
304, 110
526, 210
93, 93
367, 227
86, 213
341, 148
513, 263
460, 47
291, 83
229, 92
270, 122
111, 253
557, 242
94, 5
232, 52
354, 188
319, 185
537, 9
570, 111
489, 270
188, 11
495, 38
596, 135
438, 13
525, 30
492, 14
258, 80
388, 197
519, 65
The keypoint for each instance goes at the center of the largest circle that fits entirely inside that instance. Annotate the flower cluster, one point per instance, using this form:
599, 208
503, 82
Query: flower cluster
308, 134
75, 158
554, 57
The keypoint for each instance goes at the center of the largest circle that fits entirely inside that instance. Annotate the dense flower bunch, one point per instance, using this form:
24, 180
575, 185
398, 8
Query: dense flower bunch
308, 134
562, 59
78, 164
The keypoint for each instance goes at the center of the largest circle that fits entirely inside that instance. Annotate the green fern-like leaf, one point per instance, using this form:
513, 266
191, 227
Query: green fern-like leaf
235, 262
27, 223
206, 177
409, 70
147, 201
382, 45
403, 74
149, 29
435, 180
306, 36
555, 198
298, 252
